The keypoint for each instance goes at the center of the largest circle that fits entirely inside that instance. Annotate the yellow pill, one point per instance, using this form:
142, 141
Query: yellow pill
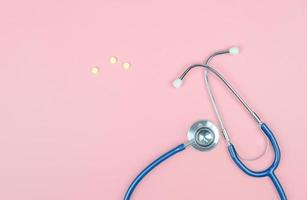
94, 70
113, 60
126, 65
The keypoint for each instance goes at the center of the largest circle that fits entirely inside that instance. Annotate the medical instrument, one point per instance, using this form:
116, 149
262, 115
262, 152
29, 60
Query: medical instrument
203, 135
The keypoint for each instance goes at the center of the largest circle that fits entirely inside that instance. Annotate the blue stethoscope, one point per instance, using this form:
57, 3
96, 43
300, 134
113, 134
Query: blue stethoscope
203, 135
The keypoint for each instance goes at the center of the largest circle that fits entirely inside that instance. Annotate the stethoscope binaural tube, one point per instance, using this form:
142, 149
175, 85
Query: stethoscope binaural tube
179, 81
265, 129
231, 51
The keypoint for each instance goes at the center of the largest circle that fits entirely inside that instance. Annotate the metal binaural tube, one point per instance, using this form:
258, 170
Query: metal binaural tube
212, 99
215, 54
229, 86
218, 113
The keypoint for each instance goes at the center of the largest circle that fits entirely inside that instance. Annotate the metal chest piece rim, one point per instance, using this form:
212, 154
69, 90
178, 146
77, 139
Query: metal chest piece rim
204, 135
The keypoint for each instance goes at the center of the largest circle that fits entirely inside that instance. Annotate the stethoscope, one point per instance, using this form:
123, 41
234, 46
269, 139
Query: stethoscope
203, 135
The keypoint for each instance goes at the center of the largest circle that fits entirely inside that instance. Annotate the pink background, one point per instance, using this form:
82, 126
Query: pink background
67, 134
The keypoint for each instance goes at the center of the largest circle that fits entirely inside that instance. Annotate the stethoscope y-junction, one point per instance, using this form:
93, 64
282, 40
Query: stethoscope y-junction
203, 135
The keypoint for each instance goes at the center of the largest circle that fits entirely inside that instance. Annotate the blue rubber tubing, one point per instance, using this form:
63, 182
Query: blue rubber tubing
269, 172
150, 167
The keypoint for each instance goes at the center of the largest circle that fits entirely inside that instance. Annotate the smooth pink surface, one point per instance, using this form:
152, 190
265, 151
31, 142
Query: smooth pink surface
66, 134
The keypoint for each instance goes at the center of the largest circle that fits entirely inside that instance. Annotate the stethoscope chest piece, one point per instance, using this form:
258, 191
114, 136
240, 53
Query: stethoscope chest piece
203, 135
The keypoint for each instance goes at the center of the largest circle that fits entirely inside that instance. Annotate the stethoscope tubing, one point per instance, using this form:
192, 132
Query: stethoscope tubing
232, 151
269, 172
150, 167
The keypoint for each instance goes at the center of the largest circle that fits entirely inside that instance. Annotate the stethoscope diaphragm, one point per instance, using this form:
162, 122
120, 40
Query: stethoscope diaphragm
203, 135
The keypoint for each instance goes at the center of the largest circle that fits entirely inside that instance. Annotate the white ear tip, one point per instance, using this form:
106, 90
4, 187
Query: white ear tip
234, 50
177, 83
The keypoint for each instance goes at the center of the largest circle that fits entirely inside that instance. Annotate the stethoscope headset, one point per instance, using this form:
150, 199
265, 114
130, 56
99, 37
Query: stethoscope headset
203, 135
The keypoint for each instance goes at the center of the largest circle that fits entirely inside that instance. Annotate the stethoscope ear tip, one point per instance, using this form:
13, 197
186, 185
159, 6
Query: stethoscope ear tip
234, 50
177, 83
